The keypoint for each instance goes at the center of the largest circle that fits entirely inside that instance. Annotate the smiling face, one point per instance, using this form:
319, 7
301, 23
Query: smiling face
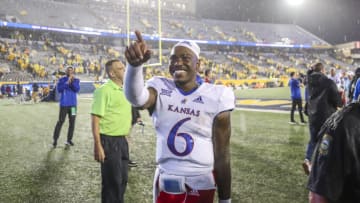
183, 66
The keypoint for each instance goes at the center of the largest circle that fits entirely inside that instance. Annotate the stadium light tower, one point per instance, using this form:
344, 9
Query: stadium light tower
295, 2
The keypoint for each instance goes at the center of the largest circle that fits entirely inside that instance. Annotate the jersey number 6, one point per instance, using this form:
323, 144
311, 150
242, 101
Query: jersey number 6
188, 139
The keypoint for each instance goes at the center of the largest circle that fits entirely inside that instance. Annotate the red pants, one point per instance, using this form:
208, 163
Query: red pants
200, 196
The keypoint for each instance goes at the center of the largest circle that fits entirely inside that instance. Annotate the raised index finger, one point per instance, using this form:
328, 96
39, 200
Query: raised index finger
138, 36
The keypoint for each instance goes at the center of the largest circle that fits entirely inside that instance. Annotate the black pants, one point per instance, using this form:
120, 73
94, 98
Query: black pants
62, 115
298, 103
114, 170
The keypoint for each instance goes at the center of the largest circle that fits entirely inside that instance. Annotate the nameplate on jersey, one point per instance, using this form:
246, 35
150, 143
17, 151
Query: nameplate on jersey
184, 110
172, 184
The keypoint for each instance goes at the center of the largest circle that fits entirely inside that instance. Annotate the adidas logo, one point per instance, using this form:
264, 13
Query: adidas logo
198, 100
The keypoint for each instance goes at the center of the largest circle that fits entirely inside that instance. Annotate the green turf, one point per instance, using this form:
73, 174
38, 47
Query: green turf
266, 158
265, 93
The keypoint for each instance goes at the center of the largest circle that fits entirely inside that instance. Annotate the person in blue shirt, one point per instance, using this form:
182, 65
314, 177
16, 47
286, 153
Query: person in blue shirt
68, 87
357, 87
296, 99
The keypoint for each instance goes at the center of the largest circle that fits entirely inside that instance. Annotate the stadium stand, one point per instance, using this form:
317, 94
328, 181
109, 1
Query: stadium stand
106, 16
36, 55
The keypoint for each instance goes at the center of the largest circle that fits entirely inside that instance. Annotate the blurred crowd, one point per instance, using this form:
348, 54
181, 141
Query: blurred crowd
44, 58
37, 55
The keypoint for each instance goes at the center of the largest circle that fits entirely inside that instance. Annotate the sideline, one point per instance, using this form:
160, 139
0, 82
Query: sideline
238, 107
263, 110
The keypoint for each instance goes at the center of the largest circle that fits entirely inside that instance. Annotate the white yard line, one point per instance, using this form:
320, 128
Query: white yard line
263, 110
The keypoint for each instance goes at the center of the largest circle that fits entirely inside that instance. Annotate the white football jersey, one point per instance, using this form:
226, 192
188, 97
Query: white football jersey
183, 124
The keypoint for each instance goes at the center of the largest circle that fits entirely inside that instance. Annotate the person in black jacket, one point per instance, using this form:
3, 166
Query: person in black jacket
335, 174
324, 99
35, 92
306, 91
136, 119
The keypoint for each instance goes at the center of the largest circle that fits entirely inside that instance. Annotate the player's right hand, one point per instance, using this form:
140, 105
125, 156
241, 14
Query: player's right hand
137, 52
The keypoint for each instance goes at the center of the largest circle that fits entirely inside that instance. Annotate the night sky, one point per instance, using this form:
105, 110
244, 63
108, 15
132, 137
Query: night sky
335, 21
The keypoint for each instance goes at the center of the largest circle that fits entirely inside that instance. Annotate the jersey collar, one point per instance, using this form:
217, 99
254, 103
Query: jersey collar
189, 92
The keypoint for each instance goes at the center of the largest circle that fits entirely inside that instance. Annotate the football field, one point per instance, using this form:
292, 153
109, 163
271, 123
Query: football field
266, 155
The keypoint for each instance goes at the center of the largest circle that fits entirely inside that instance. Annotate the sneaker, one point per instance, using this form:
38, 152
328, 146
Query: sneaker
69, 143
303, 123
292, 122
132, 163
306, 166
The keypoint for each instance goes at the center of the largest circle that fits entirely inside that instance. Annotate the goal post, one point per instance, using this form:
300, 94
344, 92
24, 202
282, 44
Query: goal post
132, 23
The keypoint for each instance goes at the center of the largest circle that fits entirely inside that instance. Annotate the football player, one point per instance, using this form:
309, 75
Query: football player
192, 123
